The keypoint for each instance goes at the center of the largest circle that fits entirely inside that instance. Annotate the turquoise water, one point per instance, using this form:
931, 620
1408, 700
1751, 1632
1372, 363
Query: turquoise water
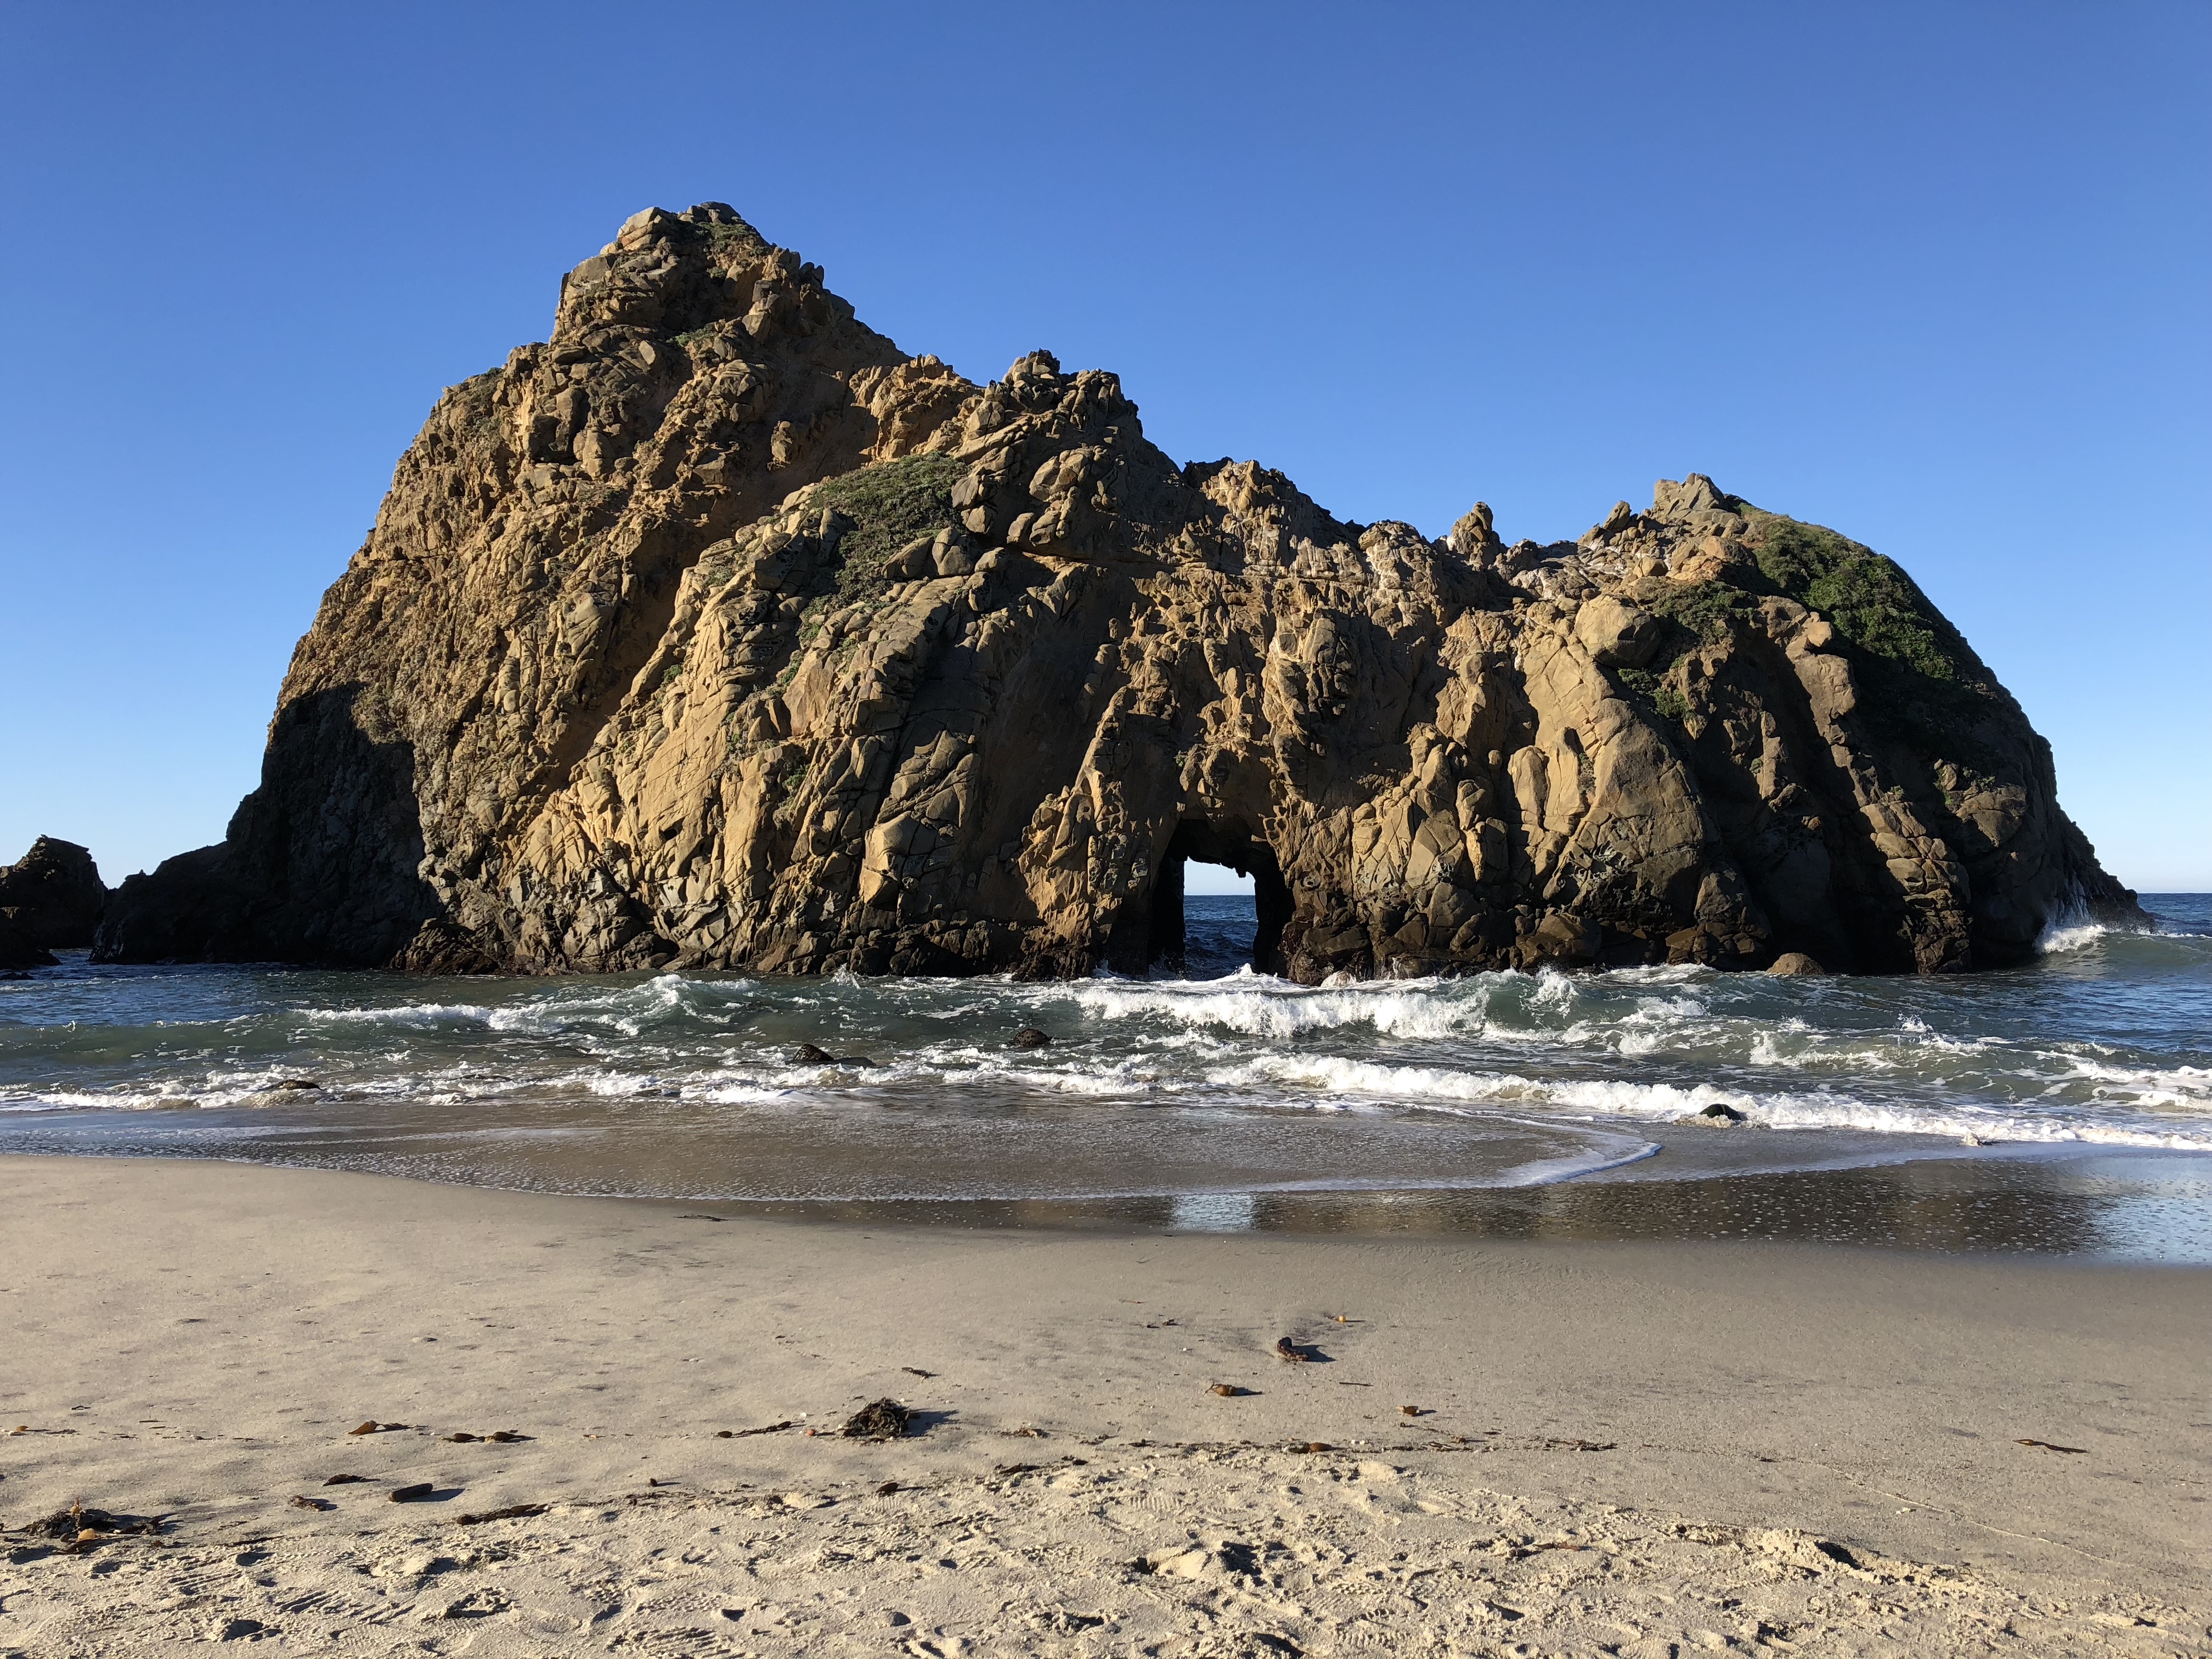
1223, 1098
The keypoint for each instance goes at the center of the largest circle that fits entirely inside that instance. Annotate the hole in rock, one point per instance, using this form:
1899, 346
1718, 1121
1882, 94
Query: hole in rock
1202, 880
1200, 923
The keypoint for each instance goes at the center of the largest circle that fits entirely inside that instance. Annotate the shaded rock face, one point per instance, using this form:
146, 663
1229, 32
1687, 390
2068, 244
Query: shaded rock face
18, 952
719, 632
52, 896
319, 864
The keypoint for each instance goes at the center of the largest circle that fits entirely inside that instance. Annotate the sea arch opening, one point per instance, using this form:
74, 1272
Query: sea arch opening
1231, 845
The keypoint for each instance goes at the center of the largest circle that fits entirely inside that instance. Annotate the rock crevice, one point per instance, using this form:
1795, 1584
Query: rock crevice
719, 632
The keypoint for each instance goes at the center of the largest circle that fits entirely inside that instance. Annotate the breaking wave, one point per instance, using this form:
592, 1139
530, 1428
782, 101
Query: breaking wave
1239, 1082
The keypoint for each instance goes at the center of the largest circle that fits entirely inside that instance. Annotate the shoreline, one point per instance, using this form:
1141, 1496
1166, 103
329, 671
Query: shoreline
2082, 1203
194, 1337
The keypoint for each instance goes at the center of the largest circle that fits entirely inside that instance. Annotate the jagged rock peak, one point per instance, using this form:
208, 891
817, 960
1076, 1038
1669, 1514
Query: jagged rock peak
719, 631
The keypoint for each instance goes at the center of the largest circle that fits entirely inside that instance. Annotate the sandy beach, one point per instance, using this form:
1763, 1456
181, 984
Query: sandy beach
1494, 1447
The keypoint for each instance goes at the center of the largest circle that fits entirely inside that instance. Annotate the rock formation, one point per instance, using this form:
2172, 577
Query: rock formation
17, 952
719, 632
52, 896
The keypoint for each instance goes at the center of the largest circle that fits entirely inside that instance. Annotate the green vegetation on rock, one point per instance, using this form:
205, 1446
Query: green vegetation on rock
890, 504
1918, 679
1701, 613
1656, 692
728, 234
477, 395
1872, 602
1710, 610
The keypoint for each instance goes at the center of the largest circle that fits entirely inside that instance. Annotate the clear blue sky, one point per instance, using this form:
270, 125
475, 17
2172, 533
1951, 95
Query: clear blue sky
1939, 275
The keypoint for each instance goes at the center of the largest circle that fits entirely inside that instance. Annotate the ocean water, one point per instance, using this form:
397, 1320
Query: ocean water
2064, 1107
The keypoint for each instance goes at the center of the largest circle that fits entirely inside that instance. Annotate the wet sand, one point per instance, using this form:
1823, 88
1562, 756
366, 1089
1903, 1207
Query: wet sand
1639, 1448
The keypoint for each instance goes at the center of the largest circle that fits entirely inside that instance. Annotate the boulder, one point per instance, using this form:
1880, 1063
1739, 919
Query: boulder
1617, 635
717, 631
1795, 964
53, 895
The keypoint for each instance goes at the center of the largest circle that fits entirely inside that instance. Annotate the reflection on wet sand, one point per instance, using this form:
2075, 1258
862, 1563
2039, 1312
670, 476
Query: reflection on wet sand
2140, 1208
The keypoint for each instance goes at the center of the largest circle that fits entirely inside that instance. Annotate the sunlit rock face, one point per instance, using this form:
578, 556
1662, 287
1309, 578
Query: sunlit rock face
717, 631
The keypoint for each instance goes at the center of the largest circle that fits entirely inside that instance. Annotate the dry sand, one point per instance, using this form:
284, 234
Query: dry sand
1643, 1449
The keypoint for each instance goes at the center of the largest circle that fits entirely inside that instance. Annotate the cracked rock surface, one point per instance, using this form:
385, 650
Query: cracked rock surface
717, 631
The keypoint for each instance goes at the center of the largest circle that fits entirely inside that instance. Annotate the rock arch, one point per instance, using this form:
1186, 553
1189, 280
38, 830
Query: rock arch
1230, 843
717, 631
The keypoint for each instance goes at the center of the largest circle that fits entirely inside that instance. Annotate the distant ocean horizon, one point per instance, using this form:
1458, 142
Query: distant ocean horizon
2077, 1089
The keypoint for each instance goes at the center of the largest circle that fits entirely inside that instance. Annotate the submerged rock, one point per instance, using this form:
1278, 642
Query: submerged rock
1795, 964
719, 632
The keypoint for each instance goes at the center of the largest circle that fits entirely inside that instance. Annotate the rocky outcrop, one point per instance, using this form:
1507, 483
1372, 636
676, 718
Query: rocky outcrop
52, 896
18, 952
717, 631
